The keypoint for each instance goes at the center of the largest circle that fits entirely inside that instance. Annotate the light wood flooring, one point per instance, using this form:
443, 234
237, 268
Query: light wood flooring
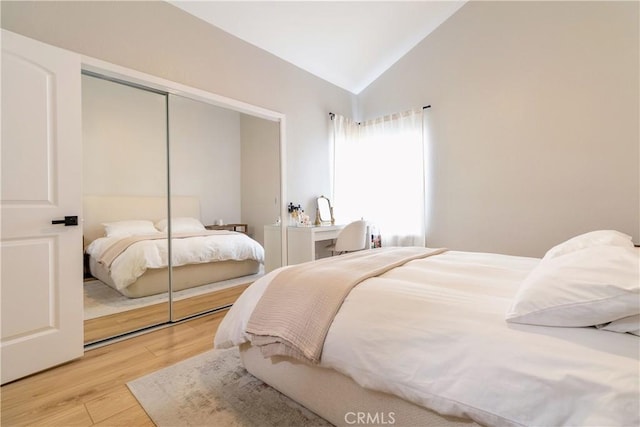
92, 391
131, 320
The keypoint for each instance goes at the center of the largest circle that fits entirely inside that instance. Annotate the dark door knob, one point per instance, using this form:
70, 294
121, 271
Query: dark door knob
67, 221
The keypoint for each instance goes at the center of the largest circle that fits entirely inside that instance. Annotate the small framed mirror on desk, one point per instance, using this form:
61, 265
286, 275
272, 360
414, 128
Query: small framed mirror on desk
324, 212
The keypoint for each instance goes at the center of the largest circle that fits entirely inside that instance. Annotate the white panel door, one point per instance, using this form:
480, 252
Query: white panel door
41, 160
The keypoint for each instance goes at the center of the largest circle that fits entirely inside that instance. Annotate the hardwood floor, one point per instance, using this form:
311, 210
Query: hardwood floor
131, 320
116, 324
92, 391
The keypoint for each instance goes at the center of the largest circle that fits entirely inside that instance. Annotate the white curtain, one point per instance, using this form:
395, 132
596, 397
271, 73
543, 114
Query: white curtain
379, 175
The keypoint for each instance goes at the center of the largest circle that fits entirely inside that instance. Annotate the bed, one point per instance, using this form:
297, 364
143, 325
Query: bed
127, 246
455, 338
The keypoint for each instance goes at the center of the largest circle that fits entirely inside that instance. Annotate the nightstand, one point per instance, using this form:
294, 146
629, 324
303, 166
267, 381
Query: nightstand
241, 228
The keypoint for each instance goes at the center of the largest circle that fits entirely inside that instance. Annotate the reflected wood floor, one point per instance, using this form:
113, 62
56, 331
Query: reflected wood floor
131, 320
92, 391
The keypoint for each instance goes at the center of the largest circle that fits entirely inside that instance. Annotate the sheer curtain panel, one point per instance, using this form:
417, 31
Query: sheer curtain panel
379, 175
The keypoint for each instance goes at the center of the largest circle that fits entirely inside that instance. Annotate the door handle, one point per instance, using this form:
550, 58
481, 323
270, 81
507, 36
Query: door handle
67, 221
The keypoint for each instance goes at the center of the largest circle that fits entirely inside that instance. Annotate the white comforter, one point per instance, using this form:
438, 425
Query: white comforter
434, 332
140, 256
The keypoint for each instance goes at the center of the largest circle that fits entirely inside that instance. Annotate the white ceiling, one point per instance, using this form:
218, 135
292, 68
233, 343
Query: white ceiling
348, 43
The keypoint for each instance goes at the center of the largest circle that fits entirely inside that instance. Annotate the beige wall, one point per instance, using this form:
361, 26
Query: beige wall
124, 139
534, 125
205, 158
160, 39
260, 182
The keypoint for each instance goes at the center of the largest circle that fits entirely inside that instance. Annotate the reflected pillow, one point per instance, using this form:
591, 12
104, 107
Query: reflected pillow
129, 228
593, 238
586, 287
181, 225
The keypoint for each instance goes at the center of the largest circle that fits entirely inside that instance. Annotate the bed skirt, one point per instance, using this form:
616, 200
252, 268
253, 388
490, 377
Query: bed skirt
155, 281
337, 398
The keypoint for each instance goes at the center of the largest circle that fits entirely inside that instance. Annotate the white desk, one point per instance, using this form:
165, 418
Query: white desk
301, 243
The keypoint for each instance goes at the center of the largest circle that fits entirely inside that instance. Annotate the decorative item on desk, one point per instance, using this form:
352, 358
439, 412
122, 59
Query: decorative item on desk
305, 221
376, 238
294, 214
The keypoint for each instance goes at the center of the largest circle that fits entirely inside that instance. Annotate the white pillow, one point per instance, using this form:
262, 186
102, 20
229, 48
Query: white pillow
593, 238
630, 324
586, 287
129, 228
181, 225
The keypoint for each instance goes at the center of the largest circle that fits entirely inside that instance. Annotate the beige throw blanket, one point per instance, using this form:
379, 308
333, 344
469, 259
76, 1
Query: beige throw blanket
119, 246
295, 312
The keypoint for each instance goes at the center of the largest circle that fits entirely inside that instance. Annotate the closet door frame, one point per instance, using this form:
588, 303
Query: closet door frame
96, 66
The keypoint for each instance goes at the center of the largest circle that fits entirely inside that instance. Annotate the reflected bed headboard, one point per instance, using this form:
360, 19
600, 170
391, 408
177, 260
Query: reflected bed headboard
100, 209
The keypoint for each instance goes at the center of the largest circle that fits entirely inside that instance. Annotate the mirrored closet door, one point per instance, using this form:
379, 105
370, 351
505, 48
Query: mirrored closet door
177, 193
125, 195
225, 168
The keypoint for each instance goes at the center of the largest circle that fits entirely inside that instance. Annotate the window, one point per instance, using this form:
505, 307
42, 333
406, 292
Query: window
379, 175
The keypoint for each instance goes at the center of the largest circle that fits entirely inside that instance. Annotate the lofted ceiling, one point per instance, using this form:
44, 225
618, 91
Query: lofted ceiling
347, 43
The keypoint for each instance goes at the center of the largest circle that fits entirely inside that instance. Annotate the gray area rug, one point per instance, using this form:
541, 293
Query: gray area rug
214, 389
